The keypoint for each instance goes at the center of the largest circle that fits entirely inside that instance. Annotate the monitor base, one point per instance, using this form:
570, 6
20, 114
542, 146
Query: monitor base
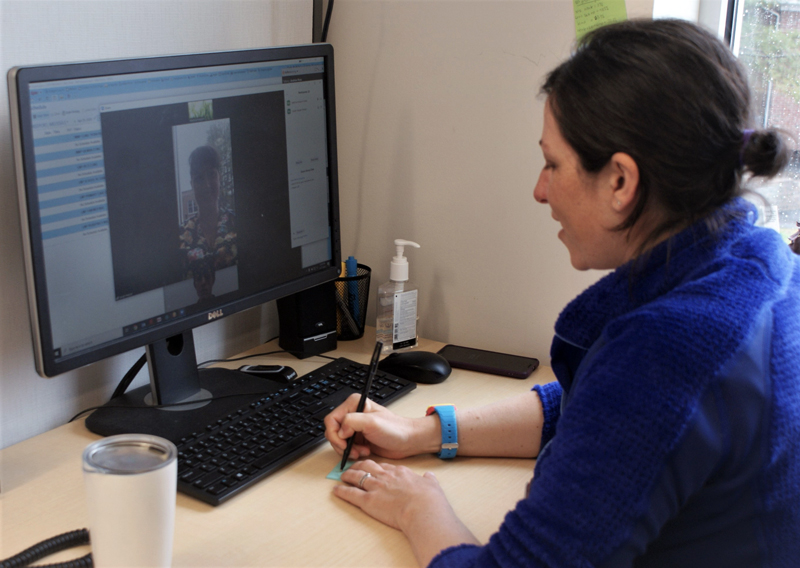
130, 413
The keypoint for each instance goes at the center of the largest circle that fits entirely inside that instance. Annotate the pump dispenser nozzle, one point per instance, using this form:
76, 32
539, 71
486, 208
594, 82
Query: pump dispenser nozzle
396, 324
398, 270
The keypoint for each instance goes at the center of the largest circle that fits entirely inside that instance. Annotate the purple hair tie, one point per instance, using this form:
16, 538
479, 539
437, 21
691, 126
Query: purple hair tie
746, 134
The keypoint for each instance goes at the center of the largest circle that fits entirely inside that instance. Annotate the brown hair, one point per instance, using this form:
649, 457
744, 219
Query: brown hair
203, 158
675, 99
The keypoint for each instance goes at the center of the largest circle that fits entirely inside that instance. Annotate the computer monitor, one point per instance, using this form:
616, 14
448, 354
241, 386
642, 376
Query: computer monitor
159, 194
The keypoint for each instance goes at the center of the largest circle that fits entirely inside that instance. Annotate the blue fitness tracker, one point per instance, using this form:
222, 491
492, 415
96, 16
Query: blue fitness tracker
447, 417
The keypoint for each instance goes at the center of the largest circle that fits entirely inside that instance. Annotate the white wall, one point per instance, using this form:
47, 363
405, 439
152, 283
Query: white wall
683, 9
438, 125
33, 32
708, 13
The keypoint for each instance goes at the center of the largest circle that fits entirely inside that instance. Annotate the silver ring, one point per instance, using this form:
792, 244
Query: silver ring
363, 479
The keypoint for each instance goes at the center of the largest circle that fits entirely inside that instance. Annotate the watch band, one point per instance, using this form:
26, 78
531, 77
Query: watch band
447, 418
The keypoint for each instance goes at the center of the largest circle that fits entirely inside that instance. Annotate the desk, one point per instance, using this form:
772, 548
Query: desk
291, 518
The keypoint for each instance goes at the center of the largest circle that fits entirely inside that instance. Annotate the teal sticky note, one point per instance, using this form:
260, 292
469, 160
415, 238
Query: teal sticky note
336, 472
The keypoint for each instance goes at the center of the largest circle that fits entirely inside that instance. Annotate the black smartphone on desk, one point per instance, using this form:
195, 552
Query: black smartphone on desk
491, 362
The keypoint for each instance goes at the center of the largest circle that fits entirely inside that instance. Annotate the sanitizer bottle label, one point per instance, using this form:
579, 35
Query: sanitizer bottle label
404, 329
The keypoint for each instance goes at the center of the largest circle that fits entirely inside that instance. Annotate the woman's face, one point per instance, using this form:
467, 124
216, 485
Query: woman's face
205, 184
581, 202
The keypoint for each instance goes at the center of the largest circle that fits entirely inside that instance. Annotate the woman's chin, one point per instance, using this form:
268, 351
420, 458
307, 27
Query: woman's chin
578, 262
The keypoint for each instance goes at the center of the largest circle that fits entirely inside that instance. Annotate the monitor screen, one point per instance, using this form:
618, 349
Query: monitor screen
159, 194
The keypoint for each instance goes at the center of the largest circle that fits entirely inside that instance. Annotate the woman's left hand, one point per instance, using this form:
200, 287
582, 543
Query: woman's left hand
389, 493
401, 499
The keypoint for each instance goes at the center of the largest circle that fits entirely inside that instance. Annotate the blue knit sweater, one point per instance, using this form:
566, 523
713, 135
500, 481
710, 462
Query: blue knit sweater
672, 437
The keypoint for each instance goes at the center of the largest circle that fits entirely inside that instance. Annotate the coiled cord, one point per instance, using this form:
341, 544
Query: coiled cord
51, 546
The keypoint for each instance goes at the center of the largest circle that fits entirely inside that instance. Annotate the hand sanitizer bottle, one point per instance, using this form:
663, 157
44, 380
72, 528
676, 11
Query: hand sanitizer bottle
397, 304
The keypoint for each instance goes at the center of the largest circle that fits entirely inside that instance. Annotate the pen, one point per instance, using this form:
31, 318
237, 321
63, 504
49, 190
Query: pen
373, 366
351, 266
351, 323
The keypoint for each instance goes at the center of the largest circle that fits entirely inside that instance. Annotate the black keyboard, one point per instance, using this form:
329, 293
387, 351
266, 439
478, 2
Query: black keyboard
240, 449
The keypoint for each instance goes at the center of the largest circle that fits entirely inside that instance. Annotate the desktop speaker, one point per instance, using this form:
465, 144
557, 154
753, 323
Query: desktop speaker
307, 321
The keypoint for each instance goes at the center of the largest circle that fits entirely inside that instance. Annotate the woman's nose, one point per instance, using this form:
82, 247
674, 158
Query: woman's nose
540, 190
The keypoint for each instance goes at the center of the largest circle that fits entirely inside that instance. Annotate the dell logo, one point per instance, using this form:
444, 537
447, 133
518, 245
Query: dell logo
214, 315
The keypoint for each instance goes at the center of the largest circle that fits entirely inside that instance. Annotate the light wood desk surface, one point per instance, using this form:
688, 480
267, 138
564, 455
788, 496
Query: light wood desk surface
289, 519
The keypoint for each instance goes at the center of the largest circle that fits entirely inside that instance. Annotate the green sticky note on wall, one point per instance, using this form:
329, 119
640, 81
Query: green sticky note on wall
593, 14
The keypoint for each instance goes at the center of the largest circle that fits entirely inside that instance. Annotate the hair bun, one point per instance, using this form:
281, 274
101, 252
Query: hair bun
765, 152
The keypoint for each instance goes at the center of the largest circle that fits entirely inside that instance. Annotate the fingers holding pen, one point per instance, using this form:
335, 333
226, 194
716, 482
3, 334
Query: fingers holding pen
377, 430
355, 423
344, 422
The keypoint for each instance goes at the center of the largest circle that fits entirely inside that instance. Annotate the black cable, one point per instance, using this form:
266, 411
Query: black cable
170, 405
51, 546
243, 357
82, 562
210, 361
129, 376
136, 367
328, 13
134, 370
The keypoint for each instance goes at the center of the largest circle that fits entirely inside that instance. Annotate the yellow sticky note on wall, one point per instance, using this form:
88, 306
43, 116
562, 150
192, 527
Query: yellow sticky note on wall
593, 14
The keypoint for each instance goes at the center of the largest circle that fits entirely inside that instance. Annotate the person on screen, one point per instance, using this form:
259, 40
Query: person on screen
204, 275
211, 233
672, 436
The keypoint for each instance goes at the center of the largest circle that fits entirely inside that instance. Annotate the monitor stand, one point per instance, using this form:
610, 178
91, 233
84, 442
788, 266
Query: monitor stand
187, 399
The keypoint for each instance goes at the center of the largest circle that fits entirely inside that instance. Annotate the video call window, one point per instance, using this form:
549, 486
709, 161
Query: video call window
171, 193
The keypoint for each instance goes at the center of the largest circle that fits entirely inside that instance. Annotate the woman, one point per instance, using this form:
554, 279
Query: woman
208, 239
672, 437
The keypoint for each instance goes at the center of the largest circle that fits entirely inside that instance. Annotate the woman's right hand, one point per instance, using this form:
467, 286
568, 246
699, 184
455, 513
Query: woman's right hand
378, 431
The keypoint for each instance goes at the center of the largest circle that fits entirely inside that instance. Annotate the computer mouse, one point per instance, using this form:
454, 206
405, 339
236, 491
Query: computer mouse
277, 373
418, 366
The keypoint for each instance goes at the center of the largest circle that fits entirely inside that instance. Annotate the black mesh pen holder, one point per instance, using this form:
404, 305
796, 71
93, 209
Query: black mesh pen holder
352, 295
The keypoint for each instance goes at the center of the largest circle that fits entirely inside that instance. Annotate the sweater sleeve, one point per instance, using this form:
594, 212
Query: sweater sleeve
550, 395
595, 480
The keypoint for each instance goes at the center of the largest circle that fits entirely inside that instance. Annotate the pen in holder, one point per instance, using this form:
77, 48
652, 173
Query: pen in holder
352, 294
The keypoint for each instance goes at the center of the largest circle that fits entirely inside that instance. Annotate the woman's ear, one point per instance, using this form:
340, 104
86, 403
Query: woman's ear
623, 182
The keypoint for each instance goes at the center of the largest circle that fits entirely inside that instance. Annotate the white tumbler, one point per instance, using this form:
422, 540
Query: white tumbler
131, 481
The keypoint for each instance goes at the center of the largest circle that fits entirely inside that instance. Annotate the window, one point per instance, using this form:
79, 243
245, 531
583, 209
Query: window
765, 35
766, 38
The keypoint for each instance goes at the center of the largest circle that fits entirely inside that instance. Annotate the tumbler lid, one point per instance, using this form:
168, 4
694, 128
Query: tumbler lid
128, 454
